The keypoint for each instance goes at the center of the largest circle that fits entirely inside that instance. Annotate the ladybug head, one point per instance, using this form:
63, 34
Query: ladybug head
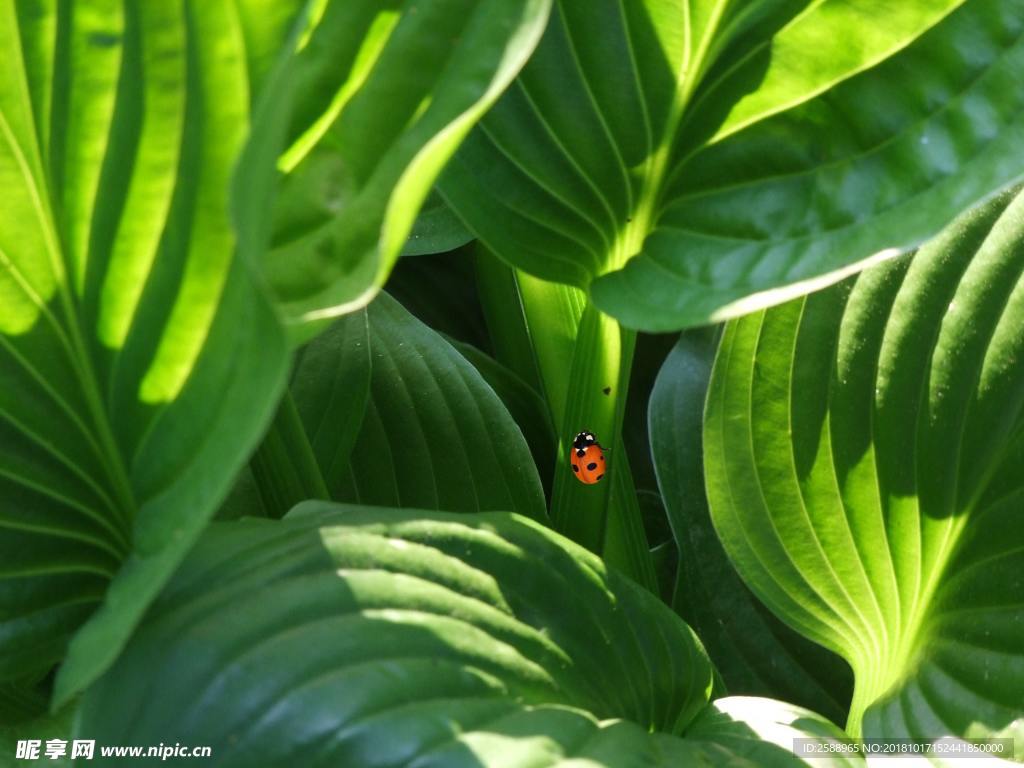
584, 439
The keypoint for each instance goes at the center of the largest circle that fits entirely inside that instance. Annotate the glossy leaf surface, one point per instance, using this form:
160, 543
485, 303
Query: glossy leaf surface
689, 162
378, 637
437, 229
863, 450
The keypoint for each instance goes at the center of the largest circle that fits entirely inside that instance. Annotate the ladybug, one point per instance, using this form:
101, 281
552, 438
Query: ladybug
587, 458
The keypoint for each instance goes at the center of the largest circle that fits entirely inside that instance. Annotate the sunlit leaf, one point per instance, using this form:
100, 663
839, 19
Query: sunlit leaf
755, 653
384, 94
863, 450
138, 362
689, 162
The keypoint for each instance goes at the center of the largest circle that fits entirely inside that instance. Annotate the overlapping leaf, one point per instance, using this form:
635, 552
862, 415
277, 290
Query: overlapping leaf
437, 229
378, 637
397, 417
524, 405
581, 360
384, 94
693, 161
440, 289
755, 653
41, 728
138, 364
863, 450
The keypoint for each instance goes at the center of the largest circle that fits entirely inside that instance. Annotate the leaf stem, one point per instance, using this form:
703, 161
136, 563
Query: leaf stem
582, 359
604, 517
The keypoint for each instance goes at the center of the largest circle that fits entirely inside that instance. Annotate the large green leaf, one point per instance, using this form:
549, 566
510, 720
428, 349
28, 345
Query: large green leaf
138, 363
384, 94
378, 637
755, 653
863, 450
396, 416
691, 161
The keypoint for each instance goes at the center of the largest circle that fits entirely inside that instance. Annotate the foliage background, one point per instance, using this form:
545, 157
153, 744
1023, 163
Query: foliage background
769, 252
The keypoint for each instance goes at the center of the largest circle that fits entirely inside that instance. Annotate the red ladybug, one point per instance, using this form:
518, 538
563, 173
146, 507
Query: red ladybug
587, 458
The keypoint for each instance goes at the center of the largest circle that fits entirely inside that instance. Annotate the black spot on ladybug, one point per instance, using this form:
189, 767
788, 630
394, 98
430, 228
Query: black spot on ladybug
600, 476
581, 452
592, 466
575, 467
607, 390
602, 459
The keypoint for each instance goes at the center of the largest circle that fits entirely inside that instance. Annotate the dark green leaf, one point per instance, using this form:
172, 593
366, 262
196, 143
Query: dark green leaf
284, 467
375, 637
401, 609
440, 289
526, 407
40, 728
23, 700
508, 329
434, 434
437, 229
331, 388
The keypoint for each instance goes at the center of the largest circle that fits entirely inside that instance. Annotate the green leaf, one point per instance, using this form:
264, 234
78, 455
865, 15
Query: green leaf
508, 328
863, 450
600, 361
755, 653
330, 387
23, 700
356, 174
525, 405
693, 161
434, 434
440, 289
41, 728
750, 731
437, 640
651, 352
284, 469
437, 229
138, 362
474, 606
